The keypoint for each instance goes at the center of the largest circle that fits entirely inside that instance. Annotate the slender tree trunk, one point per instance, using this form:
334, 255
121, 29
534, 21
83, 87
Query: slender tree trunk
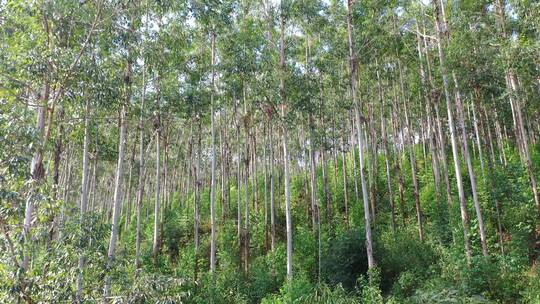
198, 182
491, 181
325, 186
523, 138
213, 165
157, 126
37, 171
353, 71
93, 181
84, 198
386, 153
398, 163
288, 216
438, 132
316, 219
354, 158
271, 145
412, 157
515, 104
222, 163
58, 152
500, 139
117, 194
313, 173
472, 176
246, 206
247, 158
266, 203
67, 190
372, 162
58, 146
345, 188
142, 173
457, 166
254, 175
165, 187
477, 136
428, 102
128, 195
272, 199
238, 188
484, 120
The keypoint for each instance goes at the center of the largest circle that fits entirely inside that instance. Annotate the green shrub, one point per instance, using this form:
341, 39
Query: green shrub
345, 259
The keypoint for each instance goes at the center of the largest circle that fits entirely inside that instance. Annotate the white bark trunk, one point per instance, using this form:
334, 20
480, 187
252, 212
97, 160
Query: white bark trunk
117, 202
84, 196
361, 145
213, 166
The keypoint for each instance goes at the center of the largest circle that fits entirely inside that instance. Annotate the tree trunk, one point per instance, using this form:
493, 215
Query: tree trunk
316, 219
412, 157
140, 188
313, 173
272, 199
198, 182
472, 176
37, 171
477, 136
84, 198
457, 167
288, 216
345, 190
386, 154
128, 195
398, 164
353, 71
213, 165
247, 158
157, 126
238, 188
266, 204
117, 195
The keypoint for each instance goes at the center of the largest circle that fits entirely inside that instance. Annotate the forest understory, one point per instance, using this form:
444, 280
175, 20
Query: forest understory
269, 151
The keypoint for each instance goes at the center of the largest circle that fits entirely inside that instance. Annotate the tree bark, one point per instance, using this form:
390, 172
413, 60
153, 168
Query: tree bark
412, 157
84, 198
353, 72
272, 199
345, 188
117, 196
140, 188
457, 166
288, 216
472, 176
157, 126
213, 164
386, 153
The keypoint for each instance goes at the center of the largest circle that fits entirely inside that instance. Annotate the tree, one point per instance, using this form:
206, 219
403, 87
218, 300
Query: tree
361, 146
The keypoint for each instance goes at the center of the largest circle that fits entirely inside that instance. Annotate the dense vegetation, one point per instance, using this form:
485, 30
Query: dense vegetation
249, 151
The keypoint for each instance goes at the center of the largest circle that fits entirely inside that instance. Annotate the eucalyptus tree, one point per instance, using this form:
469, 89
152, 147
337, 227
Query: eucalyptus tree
128, 44
361, 144
34, 35
212, 16
142, 173
515, 100
304, 93
452, 128
195, 100
283, 111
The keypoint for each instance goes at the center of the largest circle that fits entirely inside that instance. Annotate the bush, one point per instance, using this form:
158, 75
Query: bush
402, 252
293, 291
345, 259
